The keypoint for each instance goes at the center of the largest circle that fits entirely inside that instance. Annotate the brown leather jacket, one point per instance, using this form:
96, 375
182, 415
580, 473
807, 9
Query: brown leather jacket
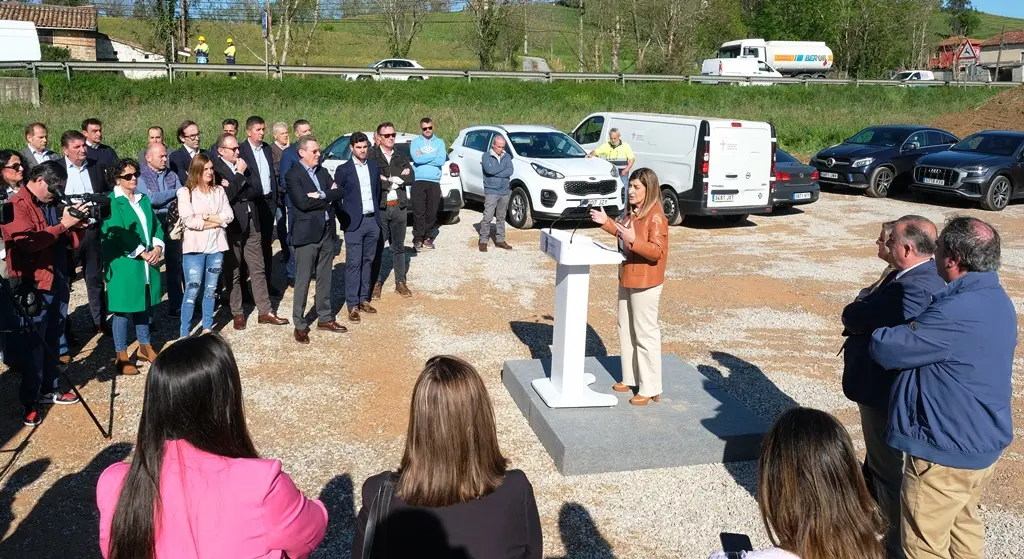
646, 257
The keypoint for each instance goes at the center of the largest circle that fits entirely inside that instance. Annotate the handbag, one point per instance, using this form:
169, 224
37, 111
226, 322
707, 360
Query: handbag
178, 227
378, 513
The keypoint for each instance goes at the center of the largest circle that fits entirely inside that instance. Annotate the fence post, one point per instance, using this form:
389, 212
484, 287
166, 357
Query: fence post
67, 68
623, 78
34, 70
469, 77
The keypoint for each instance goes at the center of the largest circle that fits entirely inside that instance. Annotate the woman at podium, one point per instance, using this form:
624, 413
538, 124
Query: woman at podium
642, 233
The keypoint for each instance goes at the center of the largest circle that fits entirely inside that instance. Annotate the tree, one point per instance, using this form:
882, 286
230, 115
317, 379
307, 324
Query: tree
961, 17
493, 20
400, 21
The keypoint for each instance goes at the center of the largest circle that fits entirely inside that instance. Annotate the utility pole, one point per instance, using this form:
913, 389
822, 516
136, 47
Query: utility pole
999, 55
526, 28
266, 38
579, 51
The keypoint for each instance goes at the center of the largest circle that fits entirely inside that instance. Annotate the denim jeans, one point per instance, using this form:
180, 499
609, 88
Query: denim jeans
119, 325
201, 272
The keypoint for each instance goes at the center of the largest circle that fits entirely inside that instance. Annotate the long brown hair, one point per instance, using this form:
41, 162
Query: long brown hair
451, 448
653, 187
812, 496
195, 172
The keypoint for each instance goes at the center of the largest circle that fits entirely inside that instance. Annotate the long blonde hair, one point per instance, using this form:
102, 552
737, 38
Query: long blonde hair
195, 172
451, 448
653, 186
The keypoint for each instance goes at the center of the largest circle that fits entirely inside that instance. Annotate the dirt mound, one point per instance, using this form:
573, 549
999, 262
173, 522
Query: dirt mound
1002, 112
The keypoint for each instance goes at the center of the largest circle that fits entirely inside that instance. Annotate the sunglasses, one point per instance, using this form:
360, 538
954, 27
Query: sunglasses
425, 128
392, 135
129, 176
15, 167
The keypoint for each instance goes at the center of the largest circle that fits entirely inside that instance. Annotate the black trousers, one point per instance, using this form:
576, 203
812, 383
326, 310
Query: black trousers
394, 220
89, 255
426, 202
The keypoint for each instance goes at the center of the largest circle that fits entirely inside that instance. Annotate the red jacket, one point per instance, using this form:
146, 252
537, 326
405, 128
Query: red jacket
29, 241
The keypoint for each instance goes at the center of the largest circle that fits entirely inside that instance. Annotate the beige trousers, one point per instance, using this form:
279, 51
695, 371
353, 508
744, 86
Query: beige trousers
640, 338
940, 510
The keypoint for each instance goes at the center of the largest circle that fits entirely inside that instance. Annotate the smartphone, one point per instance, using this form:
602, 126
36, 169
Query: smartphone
735, 543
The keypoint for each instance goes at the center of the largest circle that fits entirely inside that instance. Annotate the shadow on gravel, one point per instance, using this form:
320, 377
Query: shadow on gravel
538, 335
782, 211
20, 479
580, 535
65, 517
341, 518
712, 222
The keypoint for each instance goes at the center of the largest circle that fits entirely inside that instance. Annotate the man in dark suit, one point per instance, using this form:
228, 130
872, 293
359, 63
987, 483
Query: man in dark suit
180, 159
103, 154
235, 176
86, 177
900, 298
155, 135
313, 196
259, 159
359, 217
227, 126
35, 151
395, 175
290, 157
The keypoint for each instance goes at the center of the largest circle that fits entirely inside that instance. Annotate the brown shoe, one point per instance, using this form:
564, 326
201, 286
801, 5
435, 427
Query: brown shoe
619, 387
376, 290
366, 308
403, 290
483, 247
64, 359
271, 318
124, 365
331, 326
302, 336
353, 315
239, 321
503, 245
639, 400
146, 353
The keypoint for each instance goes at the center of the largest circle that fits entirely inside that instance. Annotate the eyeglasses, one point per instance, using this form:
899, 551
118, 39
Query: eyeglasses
231, 149
392, 135
192, 136
129, 176
15, 167
425, 128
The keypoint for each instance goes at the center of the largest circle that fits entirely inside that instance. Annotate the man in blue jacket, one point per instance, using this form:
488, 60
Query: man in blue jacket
497, 168
899, 298
428, 156
161, 186
950, 406
359, 178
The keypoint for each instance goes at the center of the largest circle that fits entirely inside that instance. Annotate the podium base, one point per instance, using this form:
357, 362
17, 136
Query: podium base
582, 397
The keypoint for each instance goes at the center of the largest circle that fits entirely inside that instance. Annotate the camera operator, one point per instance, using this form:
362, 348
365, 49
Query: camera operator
37, 240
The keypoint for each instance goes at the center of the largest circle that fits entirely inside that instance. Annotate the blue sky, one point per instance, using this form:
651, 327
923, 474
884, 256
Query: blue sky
1012, 8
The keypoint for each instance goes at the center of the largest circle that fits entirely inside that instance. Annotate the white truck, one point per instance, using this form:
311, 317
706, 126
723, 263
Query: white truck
19, 41
744, 66
791, 58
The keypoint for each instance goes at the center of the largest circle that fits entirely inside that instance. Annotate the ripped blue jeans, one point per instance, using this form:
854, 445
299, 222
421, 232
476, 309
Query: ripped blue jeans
201, 274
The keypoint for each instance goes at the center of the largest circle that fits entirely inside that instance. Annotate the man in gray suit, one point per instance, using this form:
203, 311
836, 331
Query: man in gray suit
35, 151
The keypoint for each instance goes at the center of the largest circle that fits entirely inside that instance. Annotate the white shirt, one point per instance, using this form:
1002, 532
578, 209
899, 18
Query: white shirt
78, 179
263, 166
134, 202
191, 152
901, 273
39, 155
393, 190
365, 186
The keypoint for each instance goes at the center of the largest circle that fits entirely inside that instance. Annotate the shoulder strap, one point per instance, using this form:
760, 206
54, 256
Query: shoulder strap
378, 513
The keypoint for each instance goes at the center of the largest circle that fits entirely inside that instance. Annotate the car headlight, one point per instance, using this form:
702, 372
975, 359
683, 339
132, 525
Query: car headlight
615, 171
546, 173
862, 162
975, 171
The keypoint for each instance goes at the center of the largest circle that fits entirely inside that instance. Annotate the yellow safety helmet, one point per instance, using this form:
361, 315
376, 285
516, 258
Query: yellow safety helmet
202, 38
230, 41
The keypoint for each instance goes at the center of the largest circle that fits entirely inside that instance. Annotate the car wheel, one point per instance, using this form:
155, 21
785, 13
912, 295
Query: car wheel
363, 78
997, 195
670, 205
520, 215
737, 218
448, 218
881, 181
416, 78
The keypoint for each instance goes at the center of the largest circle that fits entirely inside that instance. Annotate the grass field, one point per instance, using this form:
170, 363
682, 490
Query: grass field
990, 25
807, 119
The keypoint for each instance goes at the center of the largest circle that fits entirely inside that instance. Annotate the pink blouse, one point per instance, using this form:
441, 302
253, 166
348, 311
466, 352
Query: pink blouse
191, 209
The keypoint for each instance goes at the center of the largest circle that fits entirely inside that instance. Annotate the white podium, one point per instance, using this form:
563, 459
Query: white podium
568, 385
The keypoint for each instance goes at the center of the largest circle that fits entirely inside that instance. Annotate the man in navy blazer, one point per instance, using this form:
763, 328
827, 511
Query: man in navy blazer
258, 156
290, 157
180, 159
900, 298
359, 217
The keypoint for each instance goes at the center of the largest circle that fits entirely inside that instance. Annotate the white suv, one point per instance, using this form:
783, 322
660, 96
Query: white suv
550, 174
395, 64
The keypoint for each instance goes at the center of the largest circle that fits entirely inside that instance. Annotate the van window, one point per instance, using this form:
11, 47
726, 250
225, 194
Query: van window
477, 140
590, 131
764, 67
750, 51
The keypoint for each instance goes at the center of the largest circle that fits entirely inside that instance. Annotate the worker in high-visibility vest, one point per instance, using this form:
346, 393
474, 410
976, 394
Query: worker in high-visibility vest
202, 51
229, 54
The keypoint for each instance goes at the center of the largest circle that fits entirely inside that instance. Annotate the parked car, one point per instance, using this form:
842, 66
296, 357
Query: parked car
339, 151
987, 167
550, 172
795, 182
389, 64
707, 166
880, 157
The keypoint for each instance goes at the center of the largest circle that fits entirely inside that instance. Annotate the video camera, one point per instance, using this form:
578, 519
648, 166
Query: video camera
97, 205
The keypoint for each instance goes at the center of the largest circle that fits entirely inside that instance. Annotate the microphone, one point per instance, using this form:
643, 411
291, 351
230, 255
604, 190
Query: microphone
567, 212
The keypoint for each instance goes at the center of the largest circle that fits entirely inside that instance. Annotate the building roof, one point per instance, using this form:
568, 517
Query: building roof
1009, 38
956, 41
51, 17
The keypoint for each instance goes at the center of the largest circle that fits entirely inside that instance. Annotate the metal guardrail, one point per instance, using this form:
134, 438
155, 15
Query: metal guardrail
279, 71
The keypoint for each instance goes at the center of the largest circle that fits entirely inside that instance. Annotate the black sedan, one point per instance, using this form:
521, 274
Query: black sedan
987, 167
879, 157
795, 183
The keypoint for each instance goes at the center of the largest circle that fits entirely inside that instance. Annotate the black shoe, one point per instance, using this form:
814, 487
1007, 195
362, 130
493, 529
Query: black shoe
291, 282
174, 313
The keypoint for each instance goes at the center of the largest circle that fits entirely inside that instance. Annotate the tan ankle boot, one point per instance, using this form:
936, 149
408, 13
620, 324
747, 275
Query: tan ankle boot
146, 353
124, 365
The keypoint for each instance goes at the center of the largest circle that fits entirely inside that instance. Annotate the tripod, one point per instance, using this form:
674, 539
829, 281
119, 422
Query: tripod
48, 353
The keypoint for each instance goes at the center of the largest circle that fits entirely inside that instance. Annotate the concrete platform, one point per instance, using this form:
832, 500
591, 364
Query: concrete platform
696, 422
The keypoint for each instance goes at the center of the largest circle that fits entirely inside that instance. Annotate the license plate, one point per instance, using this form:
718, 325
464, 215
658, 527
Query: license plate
722, 197
938, 182
802, 196
825, 175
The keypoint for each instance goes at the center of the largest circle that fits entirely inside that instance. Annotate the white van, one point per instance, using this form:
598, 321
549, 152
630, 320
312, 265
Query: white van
19, 41
745, 66
707, 166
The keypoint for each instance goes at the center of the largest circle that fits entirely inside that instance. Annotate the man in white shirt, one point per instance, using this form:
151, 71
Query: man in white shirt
359, 178
35, 151
260, 160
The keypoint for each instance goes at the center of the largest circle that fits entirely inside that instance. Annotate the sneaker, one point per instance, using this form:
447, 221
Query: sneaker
62, 398
429, 244
417, 246
31, 418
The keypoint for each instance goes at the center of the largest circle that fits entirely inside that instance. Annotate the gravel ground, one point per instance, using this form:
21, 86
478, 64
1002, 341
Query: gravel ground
755, 307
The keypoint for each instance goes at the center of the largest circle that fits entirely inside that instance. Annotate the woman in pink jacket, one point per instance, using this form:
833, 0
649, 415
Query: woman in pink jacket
205, 212
196, 487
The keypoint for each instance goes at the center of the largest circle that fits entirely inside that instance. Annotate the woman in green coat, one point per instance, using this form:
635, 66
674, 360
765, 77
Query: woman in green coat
132, 244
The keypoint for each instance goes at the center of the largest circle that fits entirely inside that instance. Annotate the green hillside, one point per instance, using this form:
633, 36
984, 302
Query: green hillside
990, 25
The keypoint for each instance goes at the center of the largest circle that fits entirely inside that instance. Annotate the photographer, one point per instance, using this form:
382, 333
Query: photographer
37, 239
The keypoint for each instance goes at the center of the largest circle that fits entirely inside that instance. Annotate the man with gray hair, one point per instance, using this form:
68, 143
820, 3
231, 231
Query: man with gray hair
618, 153
497, 169
951, 403
899, 297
